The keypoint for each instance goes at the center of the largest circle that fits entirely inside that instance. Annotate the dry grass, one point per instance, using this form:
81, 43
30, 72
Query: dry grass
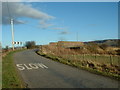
100, 62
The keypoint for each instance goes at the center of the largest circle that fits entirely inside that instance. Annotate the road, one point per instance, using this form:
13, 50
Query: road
39, 72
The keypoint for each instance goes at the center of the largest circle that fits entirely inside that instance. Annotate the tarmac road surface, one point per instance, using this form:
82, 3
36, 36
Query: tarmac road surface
39, 72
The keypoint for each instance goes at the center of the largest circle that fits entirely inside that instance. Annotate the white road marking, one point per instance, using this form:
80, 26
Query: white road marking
20, 67
27, 66
40, 65
31, 66
44, 65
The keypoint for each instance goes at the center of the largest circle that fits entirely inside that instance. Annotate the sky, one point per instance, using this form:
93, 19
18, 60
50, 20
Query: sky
45, 22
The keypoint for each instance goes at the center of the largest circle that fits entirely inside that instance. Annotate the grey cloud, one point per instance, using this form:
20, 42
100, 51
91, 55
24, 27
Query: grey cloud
11, 0
6, 21
18, 10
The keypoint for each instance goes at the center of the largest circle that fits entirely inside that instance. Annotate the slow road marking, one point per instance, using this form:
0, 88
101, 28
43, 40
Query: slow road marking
31, 66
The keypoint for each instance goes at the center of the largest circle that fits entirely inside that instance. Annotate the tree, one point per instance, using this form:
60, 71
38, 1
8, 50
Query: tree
6, 48
30, 44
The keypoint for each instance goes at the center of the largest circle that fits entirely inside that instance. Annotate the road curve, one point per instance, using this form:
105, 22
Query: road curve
39, 72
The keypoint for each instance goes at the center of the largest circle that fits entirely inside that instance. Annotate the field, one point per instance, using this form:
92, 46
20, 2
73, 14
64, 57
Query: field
95, 58
105, 64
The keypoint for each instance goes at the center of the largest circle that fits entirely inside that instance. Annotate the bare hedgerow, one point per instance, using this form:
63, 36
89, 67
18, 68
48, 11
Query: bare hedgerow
30, 44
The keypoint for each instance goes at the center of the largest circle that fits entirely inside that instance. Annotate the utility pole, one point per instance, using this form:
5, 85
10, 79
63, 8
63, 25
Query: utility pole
12, 28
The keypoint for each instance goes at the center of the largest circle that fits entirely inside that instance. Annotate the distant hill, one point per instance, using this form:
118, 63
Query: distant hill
109, 42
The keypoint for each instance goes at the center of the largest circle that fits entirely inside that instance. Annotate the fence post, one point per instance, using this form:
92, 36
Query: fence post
110, 59
95, 56
83, 56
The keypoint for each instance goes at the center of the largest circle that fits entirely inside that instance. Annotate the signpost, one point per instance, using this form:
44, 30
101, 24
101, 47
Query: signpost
19, 43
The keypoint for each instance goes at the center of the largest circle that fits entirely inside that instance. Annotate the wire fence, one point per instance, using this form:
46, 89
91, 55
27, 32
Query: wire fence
74, 56
103, 59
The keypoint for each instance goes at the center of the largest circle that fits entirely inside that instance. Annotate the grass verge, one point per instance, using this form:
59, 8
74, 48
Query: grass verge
78, 65
10, 75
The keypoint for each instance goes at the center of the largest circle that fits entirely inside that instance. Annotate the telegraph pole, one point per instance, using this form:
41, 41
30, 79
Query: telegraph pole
12, 28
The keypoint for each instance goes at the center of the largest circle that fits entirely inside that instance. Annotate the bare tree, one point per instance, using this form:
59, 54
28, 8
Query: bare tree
30, 44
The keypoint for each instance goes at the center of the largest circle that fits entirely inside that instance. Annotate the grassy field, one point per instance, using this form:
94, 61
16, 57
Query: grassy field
115, 60
98, 68
10, 76
104, 64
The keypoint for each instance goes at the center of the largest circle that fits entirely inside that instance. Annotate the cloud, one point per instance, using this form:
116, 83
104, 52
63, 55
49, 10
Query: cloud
7, 21
10, 0
58, 28
44, 24
20, 21
20, 10
64, 32
35, 0
20, 0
